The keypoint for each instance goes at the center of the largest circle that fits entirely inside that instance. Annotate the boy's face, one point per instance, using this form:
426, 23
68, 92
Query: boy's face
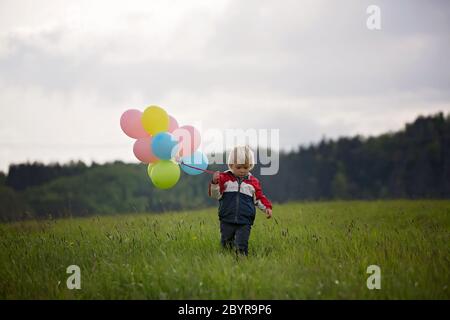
240, 170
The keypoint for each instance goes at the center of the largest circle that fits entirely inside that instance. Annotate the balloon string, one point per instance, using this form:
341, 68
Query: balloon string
208, 171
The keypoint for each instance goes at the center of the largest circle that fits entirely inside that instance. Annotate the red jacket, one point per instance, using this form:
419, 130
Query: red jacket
238, 197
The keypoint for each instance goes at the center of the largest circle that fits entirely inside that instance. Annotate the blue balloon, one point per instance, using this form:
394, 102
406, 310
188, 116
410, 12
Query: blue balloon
197, 160
164, 145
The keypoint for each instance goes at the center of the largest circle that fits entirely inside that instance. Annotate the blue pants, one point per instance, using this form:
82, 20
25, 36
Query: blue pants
235, 235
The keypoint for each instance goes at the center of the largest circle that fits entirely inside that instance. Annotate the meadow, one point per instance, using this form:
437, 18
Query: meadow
309, 250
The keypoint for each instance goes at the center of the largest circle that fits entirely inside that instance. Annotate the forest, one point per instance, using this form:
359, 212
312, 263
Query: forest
413, 163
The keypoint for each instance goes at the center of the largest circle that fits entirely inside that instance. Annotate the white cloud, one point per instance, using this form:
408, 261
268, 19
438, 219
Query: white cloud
312, 69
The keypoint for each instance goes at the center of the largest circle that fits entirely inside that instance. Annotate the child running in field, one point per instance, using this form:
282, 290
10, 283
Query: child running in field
238, 192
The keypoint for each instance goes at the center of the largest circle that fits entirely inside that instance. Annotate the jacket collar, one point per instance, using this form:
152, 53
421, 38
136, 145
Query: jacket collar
245, 177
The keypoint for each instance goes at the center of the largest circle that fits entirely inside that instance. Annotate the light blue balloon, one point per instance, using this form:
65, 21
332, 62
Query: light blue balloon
164, 145
197, 160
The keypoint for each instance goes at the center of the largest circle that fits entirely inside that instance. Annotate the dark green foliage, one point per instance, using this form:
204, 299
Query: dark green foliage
12, 205
412, 163
22, 176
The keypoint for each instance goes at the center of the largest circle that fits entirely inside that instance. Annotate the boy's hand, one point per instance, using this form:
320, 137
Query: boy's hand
269, 213
215, 178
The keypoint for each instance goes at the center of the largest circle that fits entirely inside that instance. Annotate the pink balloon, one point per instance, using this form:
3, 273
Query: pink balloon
143, 150
189, 138
130, 122
173, 124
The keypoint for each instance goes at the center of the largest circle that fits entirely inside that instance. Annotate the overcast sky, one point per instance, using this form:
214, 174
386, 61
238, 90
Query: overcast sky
68, 69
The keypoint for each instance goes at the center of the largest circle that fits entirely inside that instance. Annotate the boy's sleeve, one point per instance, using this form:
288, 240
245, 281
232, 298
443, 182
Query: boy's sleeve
260, 199
215, 190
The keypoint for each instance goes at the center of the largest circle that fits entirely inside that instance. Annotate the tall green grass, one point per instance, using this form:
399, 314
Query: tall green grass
317, 250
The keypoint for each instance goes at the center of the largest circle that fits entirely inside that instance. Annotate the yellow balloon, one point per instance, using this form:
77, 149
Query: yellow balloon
155, 120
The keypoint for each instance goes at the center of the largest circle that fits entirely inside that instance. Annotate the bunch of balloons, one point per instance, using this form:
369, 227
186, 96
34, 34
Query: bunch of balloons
163, 145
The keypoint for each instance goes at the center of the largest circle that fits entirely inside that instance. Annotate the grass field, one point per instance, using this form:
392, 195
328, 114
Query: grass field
317, 250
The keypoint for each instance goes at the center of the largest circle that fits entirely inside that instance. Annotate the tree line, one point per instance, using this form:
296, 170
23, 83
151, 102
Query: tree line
411, 163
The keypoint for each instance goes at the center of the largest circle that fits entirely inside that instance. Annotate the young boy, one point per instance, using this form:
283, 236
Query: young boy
238, 191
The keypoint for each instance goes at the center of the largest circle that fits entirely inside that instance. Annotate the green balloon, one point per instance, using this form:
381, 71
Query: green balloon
164, 174
150, 168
